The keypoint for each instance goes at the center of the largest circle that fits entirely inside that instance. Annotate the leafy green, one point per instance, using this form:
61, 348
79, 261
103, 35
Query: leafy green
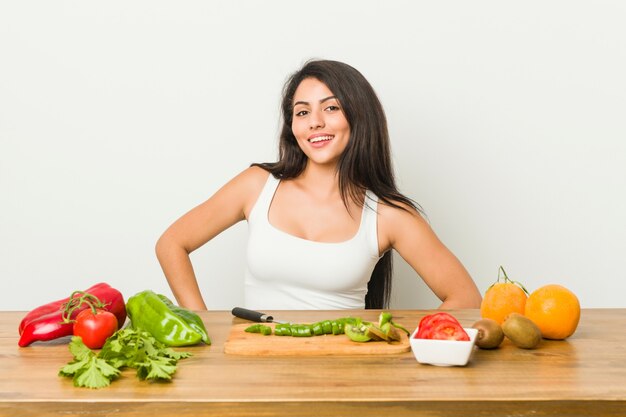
87, 369
132, 348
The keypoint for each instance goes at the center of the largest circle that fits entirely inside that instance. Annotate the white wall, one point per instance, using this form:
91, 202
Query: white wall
507, 122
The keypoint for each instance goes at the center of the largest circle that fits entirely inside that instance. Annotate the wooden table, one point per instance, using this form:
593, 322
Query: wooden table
582, 376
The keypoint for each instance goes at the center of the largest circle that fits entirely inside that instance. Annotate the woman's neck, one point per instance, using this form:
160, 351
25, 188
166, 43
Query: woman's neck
320, 180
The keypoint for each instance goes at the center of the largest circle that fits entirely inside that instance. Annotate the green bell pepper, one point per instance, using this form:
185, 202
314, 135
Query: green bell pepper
189, 316
169, 324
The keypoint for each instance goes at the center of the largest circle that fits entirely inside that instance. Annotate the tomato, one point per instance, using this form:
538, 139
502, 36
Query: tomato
94, 329
427, 322
441, 326
448, 330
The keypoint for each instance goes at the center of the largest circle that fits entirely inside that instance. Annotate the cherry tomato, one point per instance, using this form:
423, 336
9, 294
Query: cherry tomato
94, 329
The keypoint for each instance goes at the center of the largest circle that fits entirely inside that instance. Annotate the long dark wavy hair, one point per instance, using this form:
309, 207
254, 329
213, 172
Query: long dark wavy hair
366, 161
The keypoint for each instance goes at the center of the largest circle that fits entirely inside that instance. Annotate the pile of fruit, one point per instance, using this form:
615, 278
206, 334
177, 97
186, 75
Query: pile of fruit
508, 310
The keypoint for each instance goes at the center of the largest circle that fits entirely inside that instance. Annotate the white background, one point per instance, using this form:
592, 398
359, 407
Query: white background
507, 122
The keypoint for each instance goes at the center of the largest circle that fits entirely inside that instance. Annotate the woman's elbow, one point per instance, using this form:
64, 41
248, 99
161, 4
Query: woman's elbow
164, 245
474, 300
470, 297
466, 299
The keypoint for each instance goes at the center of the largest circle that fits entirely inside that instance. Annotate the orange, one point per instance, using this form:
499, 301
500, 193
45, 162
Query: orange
502, 299
555, 310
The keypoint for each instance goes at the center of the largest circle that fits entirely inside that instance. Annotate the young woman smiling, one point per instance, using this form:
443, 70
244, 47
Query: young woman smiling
324, 219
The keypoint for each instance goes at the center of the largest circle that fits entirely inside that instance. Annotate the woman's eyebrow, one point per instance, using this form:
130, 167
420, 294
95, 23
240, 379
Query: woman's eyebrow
321, 101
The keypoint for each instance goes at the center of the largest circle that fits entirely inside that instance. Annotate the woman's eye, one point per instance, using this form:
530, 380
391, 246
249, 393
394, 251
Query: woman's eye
301, 113
332, 108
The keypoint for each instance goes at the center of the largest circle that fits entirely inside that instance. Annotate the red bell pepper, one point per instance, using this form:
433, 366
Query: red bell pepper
53, 307
49, 322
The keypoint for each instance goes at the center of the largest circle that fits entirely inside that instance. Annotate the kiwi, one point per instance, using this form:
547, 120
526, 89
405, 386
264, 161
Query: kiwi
375, 333
391, 332
490, 334
522, 331
357, 332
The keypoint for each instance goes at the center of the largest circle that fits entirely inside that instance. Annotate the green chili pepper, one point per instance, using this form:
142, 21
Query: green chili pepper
149, 312
341, 327
301, 330
333, 327
282, 329
397, 326
189, 316
327, 327
255, 328
259, 328
317, 329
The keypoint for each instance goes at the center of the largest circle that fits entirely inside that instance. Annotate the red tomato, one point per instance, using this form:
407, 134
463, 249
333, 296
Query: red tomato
430, 320
441, 326
448, 330
427, 322
94, 329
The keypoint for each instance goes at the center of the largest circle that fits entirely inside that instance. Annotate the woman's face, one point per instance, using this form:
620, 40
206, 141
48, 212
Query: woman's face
319, 124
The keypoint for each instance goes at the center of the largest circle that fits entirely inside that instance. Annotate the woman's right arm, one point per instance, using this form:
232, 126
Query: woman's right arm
229, 205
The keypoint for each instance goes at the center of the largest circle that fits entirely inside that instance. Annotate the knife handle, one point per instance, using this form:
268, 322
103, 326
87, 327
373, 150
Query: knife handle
257, 316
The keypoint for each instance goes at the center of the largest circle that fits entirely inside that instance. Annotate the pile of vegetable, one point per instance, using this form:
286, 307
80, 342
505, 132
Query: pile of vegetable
95, 318
58, 318
354, 327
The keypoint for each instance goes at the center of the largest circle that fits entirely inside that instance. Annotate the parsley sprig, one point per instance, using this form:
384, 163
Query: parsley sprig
132, 348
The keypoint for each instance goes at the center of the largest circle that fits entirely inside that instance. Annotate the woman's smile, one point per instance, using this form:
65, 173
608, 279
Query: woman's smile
320, 139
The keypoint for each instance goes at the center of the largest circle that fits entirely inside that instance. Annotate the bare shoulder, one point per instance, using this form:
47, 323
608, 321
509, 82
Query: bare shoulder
396, 222
401, 212
252, 177
249, 184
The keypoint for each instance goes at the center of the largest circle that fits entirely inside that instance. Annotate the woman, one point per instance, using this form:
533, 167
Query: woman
324, 218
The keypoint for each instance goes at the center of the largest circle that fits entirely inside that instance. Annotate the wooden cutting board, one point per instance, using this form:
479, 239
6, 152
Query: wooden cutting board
241, 343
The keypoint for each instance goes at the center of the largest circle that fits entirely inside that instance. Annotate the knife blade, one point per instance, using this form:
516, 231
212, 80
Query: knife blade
244, 313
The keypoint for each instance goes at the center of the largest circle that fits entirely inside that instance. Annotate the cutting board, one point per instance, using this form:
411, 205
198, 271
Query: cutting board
242, 343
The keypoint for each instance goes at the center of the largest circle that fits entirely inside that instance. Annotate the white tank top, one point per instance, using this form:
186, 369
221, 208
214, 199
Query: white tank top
285, 272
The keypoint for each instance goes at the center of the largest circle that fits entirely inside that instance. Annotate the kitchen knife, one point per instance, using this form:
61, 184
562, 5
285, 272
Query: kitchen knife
257, 316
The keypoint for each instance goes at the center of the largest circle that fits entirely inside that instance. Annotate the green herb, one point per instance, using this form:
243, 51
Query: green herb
126, 348
87, 369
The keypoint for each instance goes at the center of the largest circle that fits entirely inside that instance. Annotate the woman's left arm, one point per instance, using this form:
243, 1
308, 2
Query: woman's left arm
411, 236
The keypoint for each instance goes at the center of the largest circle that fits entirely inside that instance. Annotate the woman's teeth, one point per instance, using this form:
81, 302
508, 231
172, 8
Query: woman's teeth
320, 139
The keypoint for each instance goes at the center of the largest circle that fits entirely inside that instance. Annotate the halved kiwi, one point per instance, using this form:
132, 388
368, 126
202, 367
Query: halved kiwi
376, 334
490, 334
357, 332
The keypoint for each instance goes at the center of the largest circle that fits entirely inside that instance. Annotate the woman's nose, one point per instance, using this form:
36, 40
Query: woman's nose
316, 120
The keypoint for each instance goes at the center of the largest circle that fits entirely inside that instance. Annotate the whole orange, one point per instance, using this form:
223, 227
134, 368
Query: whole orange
555, 310
502, 299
